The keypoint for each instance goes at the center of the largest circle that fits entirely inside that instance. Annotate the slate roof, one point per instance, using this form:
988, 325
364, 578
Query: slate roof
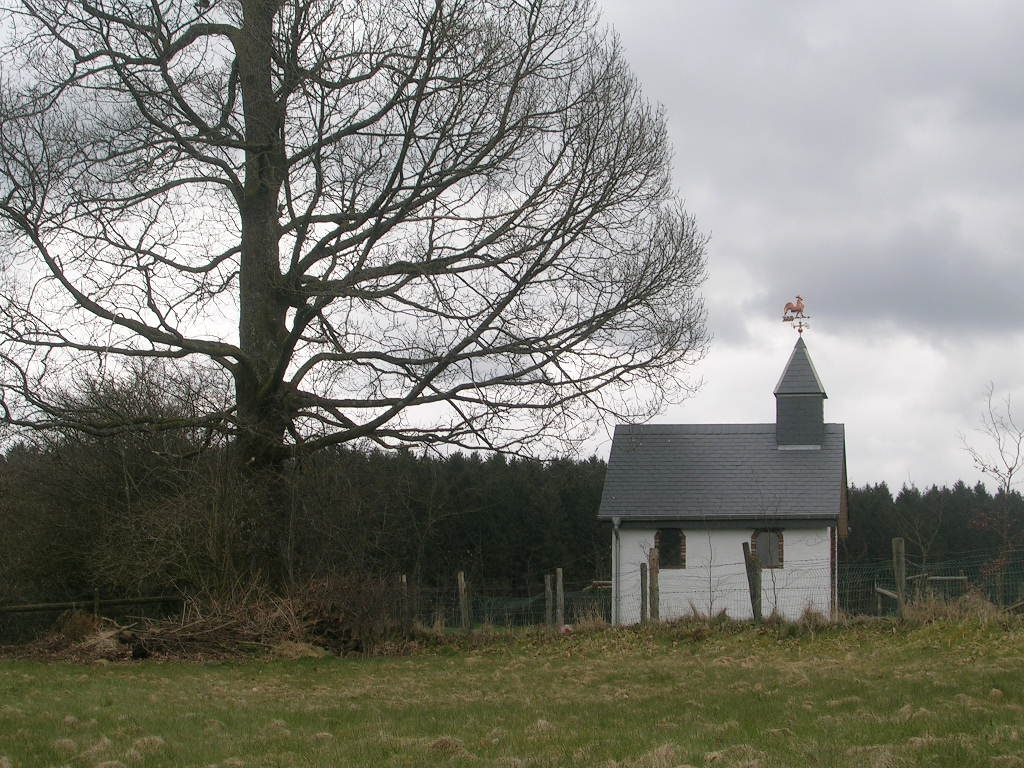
715, 472
799, 376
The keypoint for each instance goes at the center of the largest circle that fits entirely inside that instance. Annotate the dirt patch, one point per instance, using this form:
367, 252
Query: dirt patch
289, 649
736, 756
446, 745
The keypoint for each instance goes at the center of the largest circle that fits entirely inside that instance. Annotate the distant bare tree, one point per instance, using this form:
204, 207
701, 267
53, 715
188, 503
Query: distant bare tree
409, 221
1002, 459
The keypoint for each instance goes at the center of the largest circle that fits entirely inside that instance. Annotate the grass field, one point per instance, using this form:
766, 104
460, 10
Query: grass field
947, 693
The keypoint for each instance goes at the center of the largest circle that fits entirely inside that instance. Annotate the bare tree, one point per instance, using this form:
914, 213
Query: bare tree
412, 221
1002, 459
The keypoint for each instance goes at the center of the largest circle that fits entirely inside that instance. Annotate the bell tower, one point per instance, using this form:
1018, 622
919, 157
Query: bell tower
799, 403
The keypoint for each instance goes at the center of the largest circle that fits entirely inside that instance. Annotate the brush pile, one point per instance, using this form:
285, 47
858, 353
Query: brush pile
316, 619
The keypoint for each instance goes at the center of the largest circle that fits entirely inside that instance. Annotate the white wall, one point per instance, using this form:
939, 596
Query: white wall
715, 580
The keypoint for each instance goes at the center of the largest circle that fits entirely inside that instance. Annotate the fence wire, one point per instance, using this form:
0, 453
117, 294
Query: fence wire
997, 578
442, 608
994, 577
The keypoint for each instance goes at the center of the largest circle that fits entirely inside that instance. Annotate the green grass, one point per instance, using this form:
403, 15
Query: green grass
874, 694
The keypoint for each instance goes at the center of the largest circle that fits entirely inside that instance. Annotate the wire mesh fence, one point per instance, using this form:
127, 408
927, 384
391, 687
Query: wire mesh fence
860, 590
442, 608
997, 577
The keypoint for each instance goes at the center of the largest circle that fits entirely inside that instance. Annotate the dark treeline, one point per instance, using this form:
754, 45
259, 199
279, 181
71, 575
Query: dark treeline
147, 514
938, 524
150, 513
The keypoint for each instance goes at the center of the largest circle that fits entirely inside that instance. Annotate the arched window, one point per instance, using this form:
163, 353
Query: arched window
671, 546
766, 543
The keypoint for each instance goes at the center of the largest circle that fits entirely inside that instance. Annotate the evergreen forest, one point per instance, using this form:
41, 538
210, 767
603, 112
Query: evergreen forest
152, 514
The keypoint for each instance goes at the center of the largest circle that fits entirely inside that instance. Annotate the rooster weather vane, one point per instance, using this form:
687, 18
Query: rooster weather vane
793, 313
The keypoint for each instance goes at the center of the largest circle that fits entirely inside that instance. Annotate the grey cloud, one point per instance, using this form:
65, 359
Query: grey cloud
867, 154
923, 279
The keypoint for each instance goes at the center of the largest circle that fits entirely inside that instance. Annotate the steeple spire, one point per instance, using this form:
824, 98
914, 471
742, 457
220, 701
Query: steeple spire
799, 403
799, 377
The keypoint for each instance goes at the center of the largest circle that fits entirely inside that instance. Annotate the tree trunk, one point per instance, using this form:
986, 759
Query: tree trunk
262, 411
263, 415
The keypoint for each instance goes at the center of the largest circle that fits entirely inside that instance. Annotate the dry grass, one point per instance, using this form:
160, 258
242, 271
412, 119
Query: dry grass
938, 693
589, 618
972, 606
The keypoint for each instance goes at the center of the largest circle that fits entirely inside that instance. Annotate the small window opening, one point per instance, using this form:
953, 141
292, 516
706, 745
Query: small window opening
767, 545
671, 546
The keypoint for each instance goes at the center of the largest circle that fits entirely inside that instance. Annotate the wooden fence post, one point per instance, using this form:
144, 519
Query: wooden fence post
549, 600
643, 593
463, 601
753, 566
899, 570
559, 599
404, 607
655, 569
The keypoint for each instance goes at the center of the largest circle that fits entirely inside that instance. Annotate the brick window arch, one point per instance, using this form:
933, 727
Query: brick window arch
767, 544
671, 546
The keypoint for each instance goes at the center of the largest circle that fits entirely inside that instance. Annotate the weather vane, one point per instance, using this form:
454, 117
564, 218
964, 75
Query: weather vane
793, 313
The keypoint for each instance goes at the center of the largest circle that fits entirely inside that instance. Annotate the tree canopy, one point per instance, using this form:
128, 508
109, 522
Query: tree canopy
408, 221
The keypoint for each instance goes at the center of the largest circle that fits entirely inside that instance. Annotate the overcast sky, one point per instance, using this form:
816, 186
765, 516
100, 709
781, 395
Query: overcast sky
870, 157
